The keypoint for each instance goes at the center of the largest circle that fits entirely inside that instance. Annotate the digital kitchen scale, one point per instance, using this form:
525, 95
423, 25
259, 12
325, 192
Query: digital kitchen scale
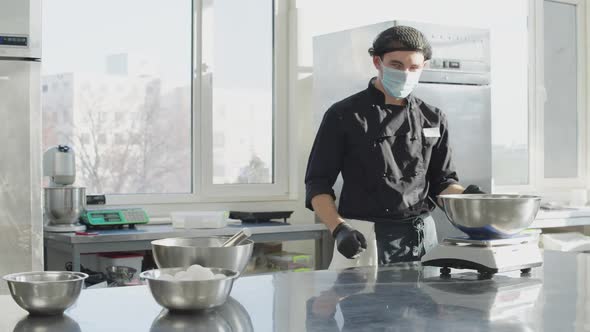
485, 256
501, 299
114, 217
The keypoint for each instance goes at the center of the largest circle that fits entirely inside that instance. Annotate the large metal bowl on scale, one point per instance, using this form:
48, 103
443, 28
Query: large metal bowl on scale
490, 216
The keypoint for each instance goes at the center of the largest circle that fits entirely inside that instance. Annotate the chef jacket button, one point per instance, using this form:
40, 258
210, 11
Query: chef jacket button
385, 175
387, 210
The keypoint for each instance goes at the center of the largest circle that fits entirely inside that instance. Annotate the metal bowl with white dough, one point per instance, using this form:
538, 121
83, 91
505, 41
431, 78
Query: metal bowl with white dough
489, 216
207, 251
45, 292
189, 295
231, 316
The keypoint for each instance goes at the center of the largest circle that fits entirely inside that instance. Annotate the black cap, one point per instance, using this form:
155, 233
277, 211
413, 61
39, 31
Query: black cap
401, 38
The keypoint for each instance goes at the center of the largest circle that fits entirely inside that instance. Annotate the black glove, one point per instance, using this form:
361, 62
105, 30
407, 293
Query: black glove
473, 189
350, 281
349, 241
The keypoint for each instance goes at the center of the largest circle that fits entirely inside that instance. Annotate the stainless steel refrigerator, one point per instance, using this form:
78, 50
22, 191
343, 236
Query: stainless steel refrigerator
21, 224
457, 80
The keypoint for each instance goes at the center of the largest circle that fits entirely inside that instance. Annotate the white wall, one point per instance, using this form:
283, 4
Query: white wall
506, 19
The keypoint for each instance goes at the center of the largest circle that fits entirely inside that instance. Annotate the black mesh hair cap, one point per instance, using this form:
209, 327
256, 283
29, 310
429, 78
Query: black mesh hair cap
401, 38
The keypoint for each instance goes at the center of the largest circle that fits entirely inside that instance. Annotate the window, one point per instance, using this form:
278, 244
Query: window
242, 90
85, 138
193, 107
560, 52
244, 93
102, 139
140, 63
555, 142
561, 105
510, 100
120, 139
119, 116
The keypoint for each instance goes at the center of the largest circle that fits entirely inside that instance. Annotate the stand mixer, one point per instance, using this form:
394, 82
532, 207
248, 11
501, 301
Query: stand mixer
63, 203
494, 243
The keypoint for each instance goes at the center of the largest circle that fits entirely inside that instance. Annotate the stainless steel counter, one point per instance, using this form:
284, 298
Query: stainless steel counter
140, 238
396, 298
152, 232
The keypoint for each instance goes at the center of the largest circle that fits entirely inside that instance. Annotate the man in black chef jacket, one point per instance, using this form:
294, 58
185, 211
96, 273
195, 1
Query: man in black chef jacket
394, 154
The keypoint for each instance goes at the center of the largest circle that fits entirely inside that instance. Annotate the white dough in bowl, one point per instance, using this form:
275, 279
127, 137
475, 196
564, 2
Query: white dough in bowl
198, 272
165, 276
180, 275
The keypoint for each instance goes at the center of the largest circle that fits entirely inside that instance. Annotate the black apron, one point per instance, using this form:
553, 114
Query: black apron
405, 240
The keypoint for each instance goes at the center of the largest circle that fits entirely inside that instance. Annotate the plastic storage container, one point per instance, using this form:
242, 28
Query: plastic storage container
199, 219
289, 261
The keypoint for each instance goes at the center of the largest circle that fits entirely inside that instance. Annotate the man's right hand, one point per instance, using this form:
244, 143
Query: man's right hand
349, 241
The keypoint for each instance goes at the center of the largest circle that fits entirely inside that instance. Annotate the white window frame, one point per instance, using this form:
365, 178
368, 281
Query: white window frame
538, 183
203, 189
279, 187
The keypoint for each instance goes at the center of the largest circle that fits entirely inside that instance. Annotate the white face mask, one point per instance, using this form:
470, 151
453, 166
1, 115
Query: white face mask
397, 83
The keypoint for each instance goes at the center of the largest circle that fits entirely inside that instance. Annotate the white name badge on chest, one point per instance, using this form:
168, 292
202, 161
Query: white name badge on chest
431, 132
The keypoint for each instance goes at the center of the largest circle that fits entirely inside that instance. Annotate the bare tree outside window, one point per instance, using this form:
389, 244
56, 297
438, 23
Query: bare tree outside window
124, 103
256, 172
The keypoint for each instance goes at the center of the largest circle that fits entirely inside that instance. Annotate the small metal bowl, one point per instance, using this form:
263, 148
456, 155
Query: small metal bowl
32, 323
45, 292
120, 274
189, 295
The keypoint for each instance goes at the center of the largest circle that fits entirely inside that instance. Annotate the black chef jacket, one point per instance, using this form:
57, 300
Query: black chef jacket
392, 158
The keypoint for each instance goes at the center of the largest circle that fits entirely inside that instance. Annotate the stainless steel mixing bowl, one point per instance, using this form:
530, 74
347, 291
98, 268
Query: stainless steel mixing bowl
210, 321
485, 216
60, 323
184, 252
45, 292
231, 316
63, 205
120, 274
189, 295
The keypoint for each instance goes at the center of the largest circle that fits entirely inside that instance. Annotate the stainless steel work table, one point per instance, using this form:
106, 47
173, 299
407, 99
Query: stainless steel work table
396, 298
140, 238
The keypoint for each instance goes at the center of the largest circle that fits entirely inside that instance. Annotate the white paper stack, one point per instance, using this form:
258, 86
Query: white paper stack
571, 241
